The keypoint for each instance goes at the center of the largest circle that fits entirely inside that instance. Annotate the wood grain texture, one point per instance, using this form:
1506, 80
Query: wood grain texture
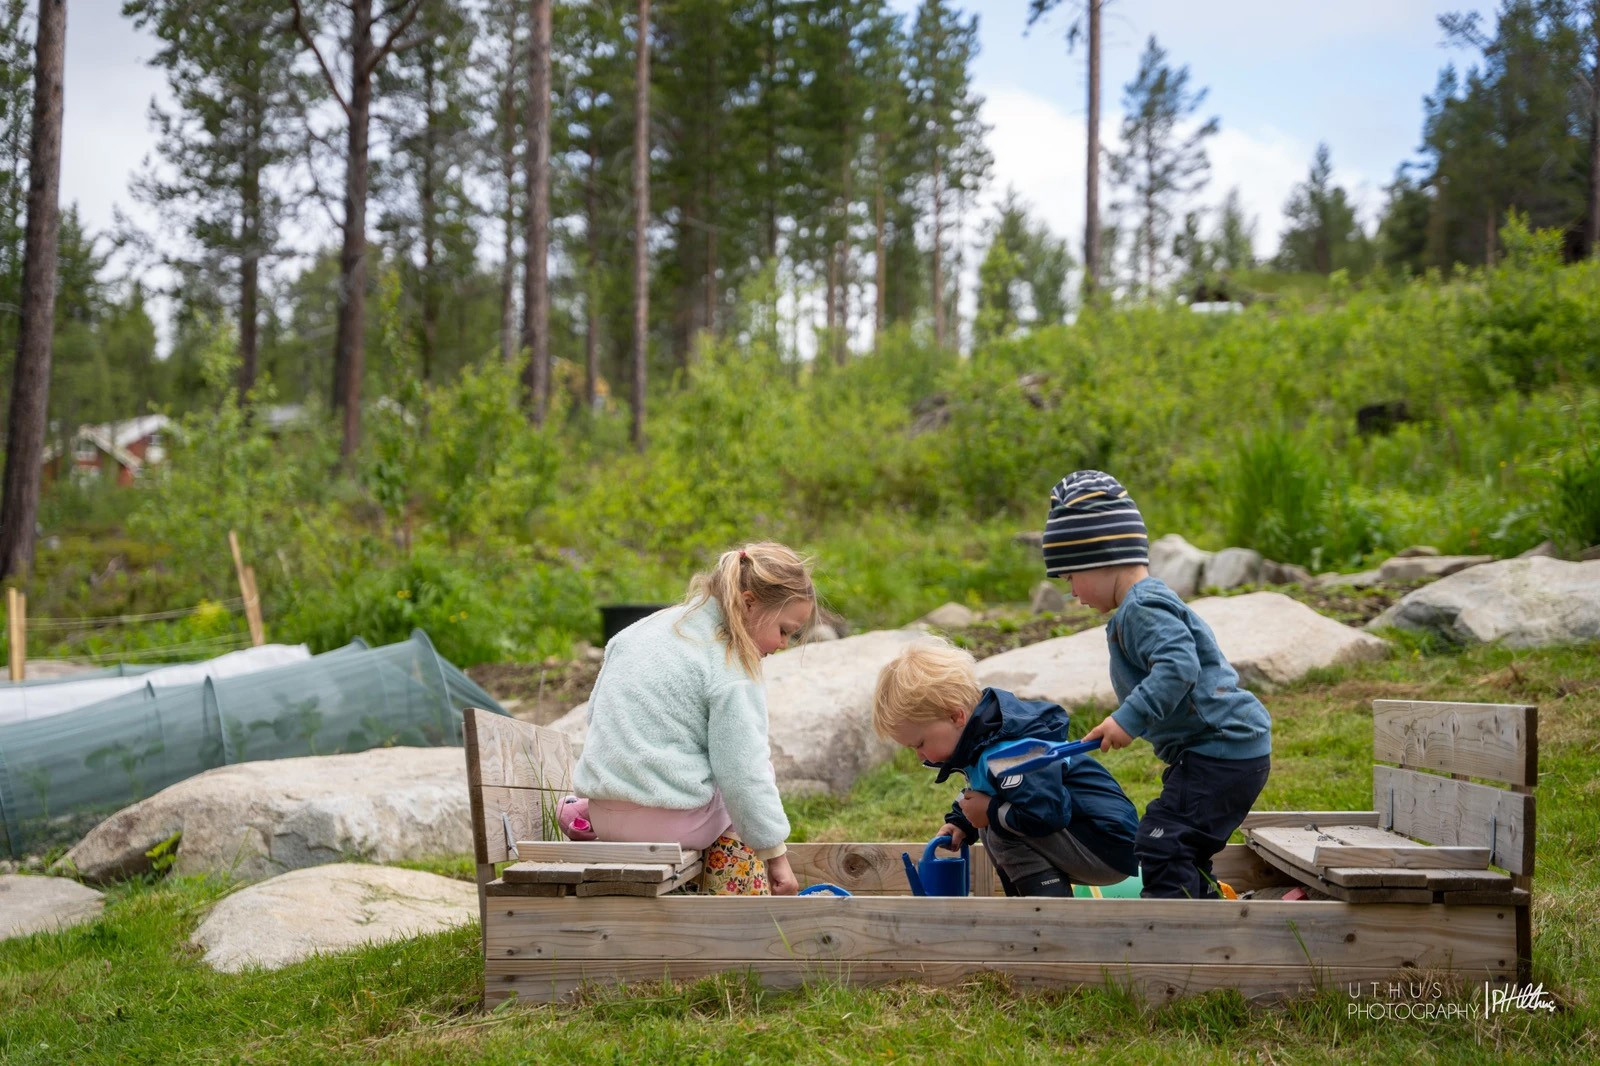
677, 880
1493, 740
1108, 931
543, 981
598, 851
1458, 814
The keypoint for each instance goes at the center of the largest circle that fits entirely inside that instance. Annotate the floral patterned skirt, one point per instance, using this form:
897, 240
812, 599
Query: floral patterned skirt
732, 869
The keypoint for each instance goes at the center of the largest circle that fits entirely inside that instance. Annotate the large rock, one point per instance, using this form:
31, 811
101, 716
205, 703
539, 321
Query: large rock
1417, 567
1232, 567
258, 819
1268, 637
1525, 603
819, 702
1071, 670
950, 616
36, 904
1180, 564
328, 909
1272, 639
1047, 598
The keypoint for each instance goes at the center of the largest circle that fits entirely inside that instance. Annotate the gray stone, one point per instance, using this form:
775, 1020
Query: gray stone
1232, 567
1546, 550
819, 710
36, 904
1523, 603
1268, 637
1284, 574
254, 820
1417, 567
950, 616
329, 909
1272, 639
1417, 551
820, 632
1047, 598
1178, 563
1589, 553
1033, 538
1364, 579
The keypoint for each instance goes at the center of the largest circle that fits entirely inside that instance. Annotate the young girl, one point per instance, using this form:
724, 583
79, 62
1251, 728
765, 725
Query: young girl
677, 746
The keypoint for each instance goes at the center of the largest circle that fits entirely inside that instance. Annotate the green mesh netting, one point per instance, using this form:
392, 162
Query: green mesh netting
119, 670
62, 774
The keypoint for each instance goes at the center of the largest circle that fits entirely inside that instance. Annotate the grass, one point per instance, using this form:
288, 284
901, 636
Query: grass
128, 989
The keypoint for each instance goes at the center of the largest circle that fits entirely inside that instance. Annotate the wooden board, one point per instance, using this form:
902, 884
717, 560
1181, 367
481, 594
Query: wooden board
572, 873
678, 879
1109, 931
597, 851
544, 981
499, 887
1263, 819
1379, 884
1405, 856
1493, 740
520, 754
532, 813
1454, 813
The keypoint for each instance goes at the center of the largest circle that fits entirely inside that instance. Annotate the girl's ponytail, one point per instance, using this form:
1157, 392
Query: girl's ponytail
773, 575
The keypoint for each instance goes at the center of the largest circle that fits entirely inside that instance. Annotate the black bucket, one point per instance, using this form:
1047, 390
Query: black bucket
615, 617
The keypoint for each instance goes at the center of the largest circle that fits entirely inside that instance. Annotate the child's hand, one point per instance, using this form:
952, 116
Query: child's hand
954, 833
1110, 735
975, 805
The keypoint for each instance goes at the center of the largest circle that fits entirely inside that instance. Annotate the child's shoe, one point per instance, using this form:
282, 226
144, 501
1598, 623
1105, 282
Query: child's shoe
573, 817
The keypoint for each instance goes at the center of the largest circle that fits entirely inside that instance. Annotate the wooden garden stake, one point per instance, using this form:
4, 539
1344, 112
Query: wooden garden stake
17, 616
247, 591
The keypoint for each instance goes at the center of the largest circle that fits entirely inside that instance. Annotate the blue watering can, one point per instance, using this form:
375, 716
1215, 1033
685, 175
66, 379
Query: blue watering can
938, 877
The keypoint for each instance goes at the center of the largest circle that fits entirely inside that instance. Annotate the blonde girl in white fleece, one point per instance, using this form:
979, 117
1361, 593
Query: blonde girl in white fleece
677, 746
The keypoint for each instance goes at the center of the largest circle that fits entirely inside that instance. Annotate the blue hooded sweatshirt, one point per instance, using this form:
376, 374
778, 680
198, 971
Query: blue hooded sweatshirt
1080, 796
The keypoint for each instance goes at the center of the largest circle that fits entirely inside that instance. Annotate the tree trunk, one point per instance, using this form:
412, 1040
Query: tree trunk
536, 271
508, 179
880, 268
938, 249
1594, 135
712, 217
641, 220
1091, 222
30, 389
591, 290
428, 210
350, 340
250, 260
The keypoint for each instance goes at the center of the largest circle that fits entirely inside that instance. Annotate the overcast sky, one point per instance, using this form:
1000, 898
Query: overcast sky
1281, 77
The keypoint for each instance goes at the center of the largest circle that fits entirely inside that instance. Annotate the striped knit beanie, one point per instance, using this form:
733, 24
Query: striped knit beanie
1092, 523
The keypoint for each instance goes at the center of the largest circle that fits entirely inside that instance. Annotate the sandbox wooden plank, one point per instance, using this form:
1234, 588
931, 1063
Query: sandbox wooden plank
591, 851
678, 879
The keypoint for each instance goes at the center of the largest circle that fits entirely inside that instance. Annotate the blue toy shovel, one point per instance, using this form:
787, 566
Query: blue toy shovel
1028, 754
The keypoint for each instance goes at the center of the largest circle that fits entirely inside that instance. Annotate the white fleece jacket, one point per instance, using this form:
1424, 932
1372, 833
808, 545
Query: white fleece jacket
672, 718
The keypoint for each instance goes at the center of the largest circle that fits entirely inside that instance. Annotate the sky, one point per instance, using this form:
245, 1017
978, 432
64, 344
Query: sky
1281, 76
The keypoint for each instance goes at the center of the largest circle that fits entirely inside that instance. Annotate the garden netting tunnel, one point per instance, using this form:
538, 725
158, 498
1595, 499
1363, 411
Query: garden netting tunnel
62, 773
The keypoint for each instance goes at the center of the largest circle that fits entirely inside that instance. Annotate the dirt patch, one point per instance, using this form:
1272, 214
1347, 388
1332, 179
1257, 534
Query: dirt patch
1008, 631
538, 692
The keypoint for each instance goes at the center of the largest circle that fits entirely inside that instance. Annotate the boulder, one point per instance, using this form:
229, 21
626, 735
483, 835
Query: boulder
1589, 553
1032, 538
1284, 574
1232, 567
1272, 639
36, 904
1546, 549
1179, 563
819, 705
257, 819
1364, 579
1525, 603
1417, 567
950, 616
1417, 551
1072, 670
1268, 637
820, 632
328, 909
1047, 598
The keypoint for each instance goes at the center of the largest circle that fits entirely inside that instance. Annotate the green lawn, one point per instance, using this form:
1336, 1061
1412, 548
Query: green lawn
128, 989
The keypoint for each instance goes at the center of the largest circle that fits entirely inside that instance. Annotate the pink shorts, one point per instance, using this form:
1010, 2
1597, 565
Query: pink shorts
698, 829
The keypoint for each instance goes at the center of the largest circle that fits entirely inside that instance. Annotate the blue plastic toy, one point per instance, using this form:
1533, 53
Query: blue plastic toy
934, 876
817, 889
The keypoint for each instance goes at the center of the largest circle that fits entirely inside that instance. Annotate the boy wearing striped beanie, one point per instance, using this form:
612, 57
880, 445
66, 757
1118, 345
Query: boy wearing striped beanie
1176, 688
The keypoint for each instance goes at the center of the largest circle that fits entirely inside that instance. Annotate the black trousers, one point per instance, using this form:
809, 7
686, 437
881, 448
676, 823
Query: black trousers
1202, 802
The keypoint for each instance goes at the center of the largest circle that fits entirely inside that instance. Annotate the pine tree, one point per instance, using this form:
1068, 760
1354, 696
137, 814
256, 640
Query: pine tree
536, 234
1233, 245
16, 81
367, 42
225, 145
1160, 162
1322, 233
641, 218
30, 383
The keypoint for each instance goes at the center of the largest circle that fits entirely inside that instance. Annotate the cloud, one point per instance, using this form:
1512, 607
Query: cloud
1039, 151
